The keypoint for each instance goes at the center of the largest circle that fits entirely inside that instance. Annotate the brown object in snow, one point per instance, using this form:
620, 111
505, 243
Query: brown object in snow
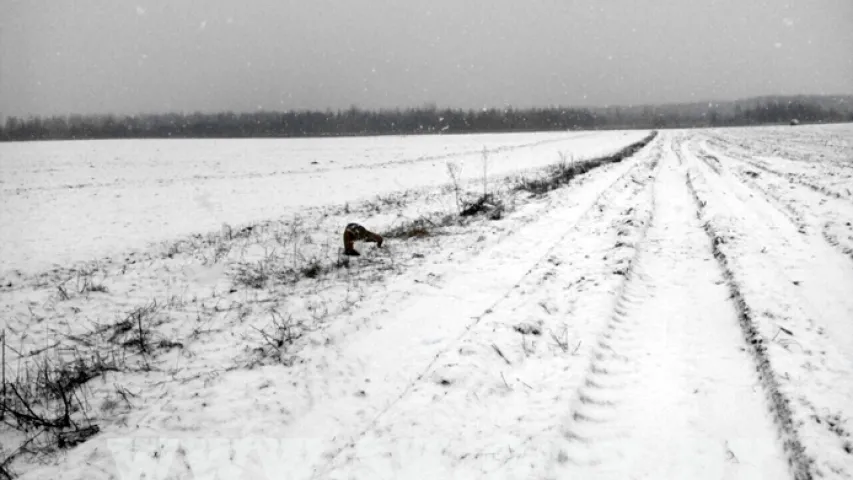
356, 233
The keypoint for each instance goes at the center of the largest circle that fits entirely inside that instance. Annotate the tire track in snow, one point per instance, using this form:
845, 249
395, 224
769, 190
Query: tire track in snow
789, 176
491, 394
805, 150
834, 234
810, 218
701, 150
669, 391
795, 309
417, 334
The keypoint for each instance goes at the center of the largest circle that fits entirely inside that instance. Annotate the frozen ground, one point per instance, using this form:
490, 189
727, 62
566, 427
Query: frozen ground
683, 313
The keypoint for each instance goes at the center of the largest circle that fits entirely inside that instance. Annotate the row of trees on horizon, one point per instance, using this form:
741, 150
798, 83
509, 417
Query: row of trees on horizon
423, 120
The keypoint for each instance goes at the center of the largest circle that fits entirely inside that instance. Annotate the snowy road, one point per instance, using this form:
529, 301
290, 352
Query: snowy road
657, 384
670, 393
683, 313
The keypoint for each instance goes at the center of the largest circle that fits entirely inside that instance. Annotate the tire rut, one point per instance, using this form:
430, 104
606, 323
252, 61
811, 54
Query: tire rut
466, 379
669, 391
808, 209
795, 316
797, 178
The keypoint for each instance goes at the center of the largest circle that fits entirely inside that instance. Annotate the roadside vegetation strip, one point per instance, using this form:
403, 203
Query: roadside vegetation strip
799, 461
562, 173
492, 205
215, 245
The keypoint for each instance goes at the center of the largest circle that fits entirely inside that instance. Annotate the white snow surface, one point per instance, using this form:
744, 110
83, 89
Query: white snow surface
69, 201
683, 313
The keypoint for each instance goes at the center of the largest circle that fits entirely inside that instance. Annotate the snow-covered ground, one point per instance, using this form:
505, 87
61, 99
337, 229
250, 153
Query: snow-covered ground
683, 313
69, 201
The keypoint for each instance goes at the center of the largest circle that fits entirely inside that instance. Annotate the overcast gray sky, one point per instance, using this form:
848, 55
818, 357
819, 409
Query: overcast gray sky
87, 56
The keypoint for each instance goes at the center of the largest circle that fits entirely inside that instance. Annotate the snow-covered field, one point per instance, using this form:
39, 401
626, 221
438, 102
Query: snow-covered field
71, 201
683, 313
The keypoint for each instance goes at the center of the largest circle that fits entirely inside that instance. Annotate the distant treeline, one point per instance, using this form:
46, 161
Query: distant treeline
354, 121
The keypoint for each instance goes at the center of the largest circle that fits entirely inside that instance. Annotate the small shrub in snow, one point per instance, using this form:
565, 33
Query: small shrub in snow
488, 204
278, 336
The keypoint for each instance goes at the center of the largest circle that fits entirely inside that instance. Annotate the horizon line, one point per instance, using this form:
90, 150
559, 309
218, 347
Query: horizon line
433, 105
